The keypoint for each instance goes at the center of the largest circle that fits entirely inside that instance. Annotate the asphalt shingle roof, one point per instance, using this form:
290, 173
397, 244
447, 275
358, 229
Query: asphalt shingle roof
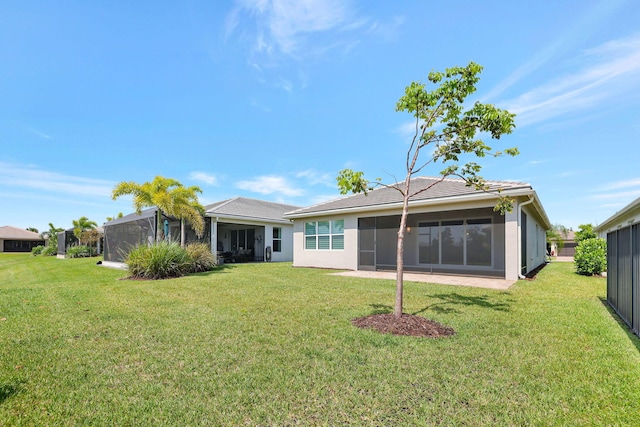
13, 233
433, 190
250, 209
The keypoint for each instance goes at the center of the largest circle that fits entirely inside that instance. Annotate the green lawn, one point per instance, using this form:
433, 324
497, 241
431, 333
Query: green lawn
268, 344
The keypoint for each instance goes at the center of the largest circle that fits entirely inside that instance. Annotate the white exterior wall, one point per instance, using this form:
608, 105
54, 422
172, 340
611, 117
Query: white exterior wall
345, 259
511, 242
286, 253
536, 240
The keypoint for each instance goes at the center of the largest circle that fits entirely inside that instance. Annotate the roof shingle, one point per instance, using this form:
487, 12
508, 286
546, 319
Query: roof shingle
432, 188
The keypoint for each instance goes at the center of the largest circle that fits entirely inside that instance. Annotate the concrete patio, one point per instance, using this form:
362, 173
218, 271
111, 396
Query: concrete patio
476, 282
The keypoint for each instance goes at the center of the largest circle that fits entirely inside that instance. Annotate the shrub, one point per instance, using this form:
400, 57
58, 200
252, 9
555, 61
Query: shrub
80, 251
37, 250
591, 256
158, 261
201, 257
50, 251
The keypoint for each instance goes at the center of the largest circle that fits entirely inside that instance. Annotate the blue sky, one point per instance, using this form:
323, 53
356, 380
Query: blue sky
271, 98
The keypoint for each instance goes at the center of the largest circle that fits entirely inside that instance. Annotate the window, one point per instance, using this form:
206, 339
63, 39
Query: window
429, 241
479, 242
324, 235
452, 234
277, 239
459, 242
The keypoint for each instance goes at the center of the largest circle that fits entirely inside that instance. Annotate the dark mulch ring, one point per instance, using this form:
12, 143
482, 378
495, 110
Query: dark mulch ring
407, 325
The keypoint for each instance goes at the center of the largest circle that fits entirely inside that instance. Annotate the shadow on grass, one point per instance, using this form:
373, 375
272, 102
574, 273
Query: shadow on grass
8, 390
635, 340
218, 269
447, 304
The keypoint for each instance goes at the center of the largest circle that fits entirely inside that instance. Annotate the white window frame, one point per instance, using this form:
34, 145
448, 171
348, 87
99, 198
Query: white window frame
277, 238
334, 236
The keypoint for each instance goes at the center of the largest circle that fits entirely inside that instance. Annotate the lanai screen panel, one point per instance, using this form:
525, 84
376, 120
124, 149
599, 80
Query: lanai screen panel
120, 238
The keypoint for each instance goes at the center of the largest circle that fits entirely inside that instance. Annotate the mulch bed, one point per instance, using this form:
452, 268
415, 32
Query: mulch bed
407, 325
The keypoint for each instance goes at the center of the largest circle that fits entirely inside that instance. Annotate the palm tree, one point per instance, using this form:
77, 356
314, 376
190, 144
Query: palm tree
82, 224
52, 234
170, 197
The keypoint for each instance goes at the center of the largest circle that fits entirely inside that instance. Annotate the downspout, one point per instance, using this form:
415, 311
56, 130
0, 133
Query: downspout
519, 213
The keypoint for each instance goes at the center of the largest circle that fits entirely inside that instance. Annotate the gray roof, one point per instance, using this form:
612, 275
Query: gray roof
249, 209
147, 213
435, 189
14, 233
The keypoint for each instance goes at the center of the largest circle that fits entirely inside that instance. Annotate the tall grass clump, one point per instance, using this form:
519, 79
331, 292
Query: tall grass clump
201, 257
158, 261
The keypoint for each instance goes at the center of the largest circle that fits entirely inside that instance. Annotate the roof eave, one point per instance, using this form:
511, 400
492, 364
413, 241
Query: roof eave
628, 212
417, 203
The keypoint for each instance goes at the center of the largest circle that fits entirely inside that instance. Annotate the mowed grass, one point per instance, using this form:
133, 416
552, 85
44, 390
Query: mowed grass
269, 344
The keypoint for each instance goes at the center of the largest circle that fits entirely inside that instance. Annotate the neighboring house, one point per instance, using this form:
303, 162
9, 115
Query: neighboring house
451, 228
568, 248
238, 230
13, 239
622, 232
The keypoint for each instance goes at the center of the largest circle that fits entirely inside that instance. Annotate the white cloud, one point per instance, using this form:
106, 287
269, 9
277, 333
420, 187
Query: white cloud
635, 182
314, 178
204, 177
611, 72
286, 35
38, 133
23, 176
270, 184
621, 195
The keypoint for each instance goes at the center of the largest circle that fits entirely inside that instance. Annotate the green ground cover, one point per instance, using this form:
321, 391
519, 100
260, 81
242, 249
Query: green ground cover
268, 344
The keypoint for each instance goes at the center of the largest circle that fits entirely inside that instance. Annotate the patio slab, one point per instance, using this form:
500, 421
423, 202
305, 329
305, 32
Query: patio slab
476, 282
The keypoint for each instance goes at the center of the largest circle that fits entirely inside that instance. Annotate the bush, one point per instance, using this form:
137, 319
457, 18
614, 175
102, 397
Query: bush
158, 261
591, 256
201, 257
50, 251
37, 250
79, 252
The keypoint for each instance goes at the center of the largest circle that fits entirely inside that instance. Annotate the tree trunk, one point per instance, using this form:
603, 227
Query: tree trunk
159, 227
397, 311
183, 234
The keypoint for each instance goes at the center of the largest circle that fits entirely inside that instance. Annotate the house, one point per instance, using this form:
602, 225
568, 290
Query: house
451, 228
568, 246
622, 231
13, 239
238, 229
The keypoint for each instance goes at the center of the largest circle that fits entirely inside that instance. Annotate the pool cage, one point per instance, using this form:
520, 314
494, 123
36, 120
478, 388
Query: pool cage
124, 234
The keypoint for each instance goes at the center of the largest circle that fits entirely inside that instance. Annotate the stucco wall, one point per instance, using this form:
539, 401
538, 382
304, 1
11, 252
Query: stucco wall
536, 241
344, 259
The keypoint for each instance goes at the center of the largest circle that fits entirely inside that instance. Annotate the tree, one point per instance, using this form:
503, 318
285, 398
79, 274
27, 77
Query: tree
35, 230
90, 236
80, 225
170, 197
52, 234
585, 231
446, 132
111, 218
